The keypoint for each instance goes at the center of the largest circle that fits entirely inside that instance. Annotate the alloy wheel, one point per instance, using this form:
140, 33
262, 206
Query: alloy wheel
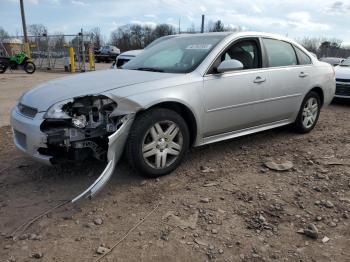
310, 112
162, 144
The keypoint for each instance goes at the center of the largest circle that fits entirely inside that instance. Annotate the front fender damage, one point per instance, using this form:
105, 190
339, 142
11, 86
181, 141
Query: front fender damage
116, 143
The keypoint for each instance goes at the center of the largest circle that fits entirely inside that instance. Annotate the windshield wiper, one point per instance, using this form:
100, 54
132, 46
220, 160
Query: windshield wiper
151, 69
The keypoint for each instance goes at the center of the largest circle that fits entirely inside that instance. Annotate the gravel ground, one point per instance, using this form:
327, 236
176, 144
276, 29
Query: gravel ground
222, 204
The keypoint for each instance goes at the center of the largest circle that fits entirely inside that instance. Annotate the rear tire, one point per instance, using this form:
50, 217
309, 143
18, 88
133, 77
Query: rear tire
29, 67
3, 68
157, 142
308, 114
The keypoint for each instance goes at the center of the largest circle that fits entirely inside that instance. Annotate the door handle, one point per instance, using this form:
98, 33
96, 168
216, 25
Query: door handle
259, 80
302, 74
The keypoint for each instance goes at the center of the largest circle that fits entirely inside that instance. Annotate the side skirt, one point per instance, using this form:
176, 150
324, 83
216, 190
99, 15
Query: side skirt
243, 132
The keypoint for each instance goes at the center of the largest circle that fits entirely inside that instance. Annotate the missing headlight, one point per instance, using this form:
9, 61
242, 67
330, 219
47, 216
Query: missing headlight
79, 121
89, 123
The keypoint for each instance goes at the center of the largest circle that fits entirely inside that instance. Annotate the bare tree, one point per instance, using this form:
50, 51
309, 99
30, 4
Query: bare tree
325, 47
163, 30
310, 44
121, 38
58, 41
147, 35
37, 29
191, 29
96, 37
217, 26
137, 36
3, 34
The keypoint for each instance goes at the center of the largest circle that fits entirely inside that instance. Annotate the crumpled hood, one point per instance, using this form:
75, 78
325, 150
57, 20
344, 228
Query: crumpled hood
45, 95
342, 72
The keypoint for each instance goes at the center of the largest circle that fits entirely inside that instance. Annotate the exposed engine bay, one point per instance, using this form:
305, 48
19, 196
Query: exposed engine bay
82, 130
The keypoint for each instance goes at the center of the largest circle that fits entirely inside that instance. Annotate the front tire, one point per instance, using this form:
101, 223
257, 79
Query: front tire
29, 67
308, 114
157, 142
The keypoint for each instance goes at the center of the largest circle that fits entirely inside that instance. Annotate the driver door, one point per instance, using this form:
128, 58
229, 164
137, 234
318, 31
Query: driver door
236, 100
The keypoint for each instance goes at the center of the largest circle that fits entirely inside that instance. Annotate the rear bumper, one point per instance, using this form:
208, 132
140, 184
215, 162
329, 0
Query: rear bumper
27, 135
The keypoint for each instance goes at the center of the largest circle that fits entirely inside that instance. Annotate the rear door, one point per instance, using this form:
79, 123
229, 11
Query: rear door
289, 77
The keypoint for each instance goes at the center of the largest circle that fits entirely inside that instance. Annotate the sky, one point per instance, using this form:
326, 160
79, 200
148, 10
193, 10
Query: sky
293, 18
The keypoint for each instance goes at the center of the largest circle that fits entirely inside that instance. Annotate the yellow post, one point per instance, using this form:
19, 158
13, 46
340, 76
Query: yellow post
91, 60
72, 64
27, 49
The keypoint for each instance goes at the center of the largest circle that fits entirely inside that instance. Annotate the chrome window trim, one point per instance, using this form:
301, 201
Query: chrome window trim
263, 69
262, 46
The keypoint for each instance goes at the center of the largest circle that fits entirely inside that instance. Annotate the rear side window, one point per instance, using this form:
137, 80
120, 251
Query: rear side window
303, 58
279, 53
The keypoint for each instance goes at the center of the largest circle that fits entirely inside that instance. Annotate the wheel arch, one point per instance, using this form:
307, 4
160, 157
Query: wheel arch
320, 92
183, 110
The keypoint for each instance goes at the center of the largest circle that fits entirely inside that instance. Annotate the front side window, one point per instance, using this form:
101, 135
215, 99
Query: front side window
303, 58
175, 55
279, 53
245, 51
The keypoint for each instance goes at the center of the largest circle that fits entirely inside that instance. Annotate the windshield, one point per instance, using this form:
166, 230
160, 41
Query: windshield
159, 40
176, 55
346, 62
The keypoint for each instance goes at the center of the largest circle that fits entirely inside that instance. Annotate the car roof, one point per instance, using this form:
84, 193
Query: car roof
243, 34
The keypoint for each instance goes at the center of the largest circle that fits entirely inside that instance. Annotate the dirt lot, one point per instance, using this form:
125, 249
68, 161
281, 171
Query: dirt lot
222, 204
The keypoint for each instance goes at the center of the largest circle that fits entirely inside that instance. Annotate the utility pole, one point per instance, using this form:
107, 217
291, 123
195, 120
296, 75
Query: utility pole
83, 50
202, 27
26, 42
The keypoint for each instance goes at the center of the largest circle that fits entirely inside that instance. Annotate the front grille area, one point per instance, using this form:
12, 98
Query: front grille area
20, 138
342, 90
27, 110
343, 80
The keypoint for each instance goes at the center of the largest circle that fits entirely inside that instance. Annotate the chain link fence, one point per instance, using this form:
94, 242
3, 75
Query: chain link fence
51, 52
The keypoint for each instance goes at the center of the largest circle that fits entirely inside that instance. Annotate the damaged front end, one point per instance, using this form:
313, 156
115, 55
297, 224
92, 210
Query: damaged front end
87, 127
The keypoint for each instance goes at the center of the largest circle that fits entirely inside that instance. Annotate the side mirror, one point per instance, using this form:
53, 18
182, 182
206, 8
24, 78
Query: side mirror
230, 65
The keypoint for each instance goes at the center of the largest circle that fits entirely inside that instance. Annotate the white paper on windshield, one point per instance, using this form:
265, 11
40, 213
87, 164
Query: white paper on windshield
199, 47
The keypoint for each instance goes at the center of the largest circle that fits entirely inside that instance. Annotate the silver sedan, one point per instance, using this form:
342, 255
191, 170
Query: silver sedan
187, 91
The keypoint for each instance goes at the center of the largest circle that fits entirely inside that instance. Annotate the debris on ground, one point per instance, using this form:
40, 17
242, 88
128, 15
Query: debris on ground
283, 166
101, 250
98, 221
325, 239
37, 255
311, 231
183, 223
